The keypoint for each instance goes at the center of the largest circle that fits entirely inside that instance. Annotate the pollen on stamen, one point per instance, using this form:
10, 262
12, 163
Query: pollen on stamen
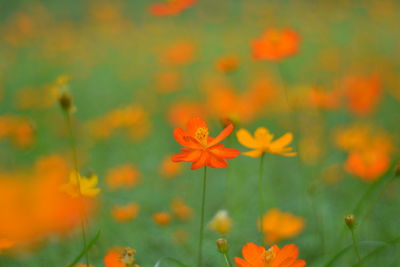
201, 135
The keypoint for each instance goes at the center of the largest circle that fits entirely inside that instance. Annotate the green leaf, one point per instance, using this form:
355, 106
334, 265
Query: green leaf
85, 250
168, 259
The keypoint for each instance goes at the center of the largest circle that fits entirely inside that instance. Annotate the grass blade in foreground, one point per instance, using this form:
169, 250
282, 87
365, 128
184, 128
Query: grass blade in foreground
85, 249
168, 259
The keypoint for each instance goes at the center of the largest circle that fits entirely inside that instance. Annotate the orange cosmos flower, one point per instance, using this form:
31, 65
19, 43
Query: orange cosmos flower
227, 64
275, 45
368, 164
362, 93
258, 256
123, 176
126, 212
171, 7
120, 257
201, 149
181, 210
262, 143
162, 218
279, 225
169, 169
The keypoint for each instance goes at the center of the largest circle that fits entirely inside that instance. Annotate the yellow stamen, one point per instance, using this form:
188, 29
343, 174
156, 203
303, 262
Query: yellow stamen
201, 135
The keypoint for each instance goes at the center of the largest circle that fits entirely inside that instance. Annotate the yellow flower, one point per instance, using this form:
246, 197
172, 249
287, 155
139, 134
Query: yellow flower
81, 186
262, 143
221, 223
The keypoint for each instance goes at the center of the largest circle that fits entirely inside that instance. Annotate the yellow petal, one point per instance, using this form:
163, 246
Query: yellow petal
263, 136
245, 138
282, 141
253, 153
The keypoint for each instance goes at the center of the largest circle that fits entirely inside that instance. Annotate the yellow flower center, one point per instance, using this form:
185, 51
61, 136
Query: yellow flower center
201, 135
268, 256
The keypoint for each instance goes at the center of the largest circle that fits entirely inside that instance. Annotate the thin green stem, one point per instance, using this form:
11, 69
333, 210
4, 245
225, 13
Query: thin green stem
355, 245
261, 196
76, 168
227, 260
203, 201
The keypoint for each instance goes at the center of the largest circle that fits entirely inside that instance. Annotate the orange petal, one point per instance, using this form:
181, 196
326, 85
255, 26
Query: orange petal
282, 141
253, 254
216, 162
184, 140
201, 162
242, 263
225, 132
253, 153
195, 123
189, 156
227, 153
286, 256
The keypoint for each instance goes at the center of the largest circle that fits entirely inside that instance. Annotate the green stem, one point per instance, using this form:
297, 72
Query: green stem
261, 196
203, 200
76, 168
355, 245
227, 260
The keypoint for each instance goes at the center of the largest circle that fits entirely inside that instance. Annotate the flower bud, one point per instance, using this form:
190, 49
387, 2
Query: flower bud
397, 171
350, 221
222, 245
65, 101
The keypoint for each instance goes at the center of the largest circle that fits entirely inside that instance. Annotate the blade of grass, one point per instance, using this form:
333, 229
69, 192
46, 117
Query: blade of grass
85, 249
178, 263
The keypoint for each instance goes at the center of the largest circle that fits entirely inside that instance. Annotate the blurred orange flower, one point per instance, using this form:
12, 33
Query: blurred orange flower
276, 44
50, 211
18, 129
258, 256
134, 119
221, 223
182, 211
327, 100
179, 113
170, 7
162, 218
126, 212
262, 143
120, 257
201, 149
169, 169
368, 164
123, 176
362, 93
180, 53
227, 64
279, 225
168, 81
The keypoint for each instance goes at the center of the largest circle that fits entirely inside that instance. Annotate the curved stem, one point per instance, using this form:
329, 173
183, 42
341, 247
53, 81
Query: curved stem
203, 200
261, 196
355, 245
76, 168
227, 260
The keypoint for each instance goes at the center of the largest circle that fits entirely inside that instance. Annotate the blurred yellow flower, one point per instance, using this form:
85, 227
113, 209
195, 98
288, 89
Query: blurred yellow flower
81, 186
278, 225
262, 143
221, 223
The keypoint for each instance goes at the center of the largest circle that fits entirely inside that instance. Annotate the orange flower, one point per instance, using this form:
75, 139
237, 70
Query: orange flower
123, 176
169, 169
181, 112
362, 93
120, 257
180, 53
171, 7
368, 164
324, 99
181, 210
19, 130
162, 218
126, 212
276, 44
258, 256
227, 64
50, 211
279, 225
201, 149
